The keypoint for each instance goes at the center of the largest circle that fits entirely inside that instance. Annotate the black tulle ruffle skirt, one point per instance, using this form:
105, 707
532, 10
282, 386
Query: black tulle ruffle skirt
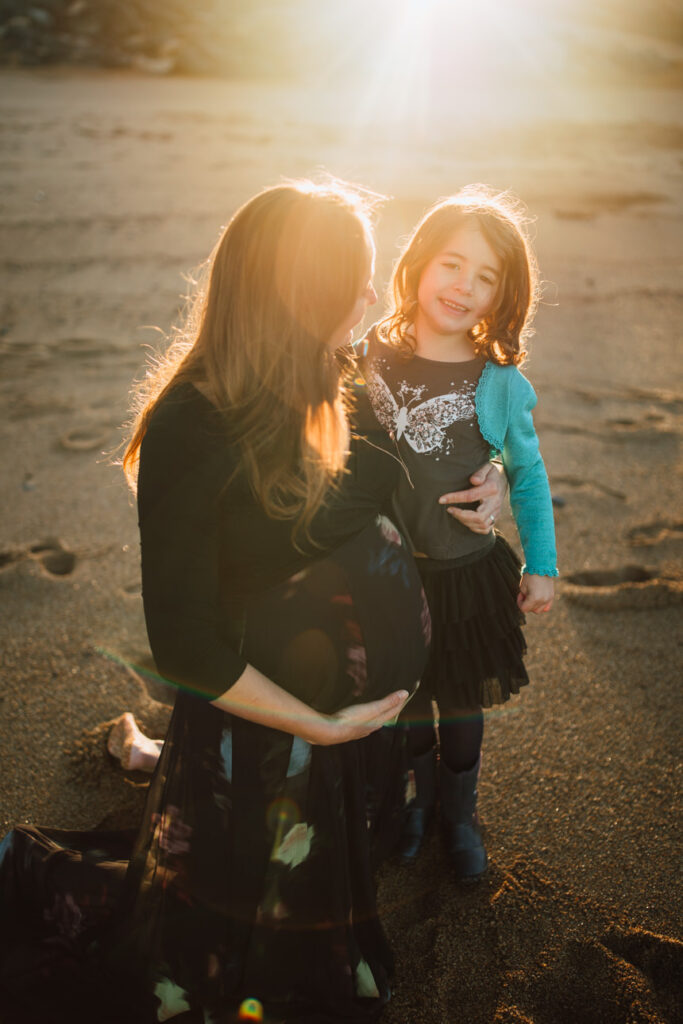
478, 646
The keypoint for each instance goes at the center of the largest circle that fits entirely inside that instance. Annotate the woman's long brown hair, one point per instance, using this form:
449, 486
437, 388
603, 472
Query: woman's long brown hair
284, 275
500, 217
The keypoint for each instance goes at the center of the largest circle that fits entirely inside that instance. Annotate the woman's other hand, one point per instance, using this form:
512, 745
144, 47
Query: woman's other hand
489, 487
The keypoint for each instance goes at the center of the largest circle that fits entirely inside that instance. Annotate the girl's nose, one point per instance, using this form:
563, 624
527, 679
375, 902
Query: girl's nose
371, 295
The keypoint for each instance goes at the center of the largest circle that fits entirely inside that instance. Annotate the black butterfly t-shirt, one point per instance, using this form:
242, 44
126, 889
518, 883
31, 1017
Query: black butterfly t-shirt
429, 409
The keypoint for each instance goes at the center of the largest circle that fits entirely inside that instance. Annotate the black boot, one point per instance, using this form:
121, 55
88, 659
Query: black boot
420, 810
459, 818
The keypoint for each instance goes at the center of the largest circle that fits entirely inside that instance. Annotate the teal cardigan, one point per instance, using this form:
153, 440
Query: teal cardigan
504, 401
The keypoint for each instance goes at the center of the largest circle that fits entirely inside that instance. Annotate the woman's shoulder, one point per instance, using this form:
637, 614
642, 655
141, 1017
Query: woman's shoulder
183, 412
185, 454
186, 430
181, 402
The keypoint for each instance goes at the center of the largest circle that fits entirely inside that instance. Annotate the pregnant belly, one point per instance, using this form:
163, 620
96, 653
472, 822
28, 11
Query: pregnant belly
352, 626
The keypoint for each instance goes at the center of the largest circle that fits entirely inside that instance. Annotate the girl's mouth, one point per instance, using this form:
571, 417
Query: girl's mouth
454, 306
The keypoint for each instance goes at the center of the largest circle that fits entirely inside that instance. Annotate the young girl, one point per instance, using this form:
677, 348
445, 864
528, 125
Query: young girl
442, 375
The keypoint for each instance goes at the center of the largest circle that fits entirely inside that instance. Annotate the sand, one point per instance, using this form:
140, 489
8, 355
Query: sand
112, 187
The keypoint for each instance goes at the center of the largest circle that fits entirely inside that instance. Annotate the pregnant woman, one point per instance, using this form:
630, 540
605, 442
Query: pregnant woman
265, 563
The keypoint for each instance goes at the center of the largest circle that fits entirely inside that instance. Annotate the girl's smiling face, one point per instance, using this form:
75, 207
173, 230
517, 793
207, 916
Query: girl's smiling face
457, 289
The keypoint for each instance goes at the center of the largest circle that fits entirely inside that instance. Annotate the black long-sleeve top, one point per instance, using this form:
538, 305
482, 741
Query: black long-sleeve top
207, 543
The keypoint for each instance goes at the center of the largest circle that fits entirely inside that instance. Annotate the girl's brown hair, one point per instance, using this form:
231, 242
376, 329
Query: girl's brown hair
500, 217
285, 273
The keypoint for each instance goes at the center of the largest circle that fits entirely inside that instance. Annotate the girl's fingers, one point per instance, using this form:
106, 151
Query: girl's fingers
533, 607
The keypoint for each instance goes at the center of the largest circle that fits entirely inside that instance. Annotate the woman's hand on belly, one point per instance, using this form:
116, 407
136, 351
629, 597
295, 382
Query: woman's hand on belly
258, 699
359, 720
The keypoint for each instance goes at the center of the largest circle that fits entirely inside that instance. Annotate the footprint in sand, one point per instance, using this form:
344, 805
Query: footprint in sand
625, 973
631, 975
656, 532
50, 553
584, 483
82, 348
659, 420
668, 400
631, 586
586, 207
650, 428
132, 589
659, 957
8, 558
53, 556
573, 213
86, 438
21, 406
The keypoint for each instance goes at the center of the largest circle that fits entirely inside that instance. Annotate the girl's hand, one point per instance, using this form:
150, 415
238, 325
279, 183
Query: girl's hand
536, 593
359, 720
489, 487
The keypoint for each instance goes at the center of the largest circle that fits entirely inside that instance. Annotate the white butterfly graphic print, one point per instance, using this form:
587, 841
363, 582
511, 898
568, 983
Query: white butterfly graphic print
423, 424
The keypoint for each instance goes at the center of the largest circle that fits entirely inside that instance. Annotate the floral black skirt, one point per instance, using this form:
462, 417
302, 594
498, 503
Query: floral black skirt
251, 874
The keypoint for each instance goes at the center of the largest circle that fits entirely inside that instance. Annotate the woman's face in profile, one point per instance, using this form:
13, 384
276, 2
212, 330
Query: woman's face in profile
343, 335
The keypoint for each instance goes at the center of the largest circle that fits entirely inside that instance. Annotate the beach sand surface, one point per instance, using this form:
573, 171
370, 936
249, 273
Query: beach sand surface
113, 187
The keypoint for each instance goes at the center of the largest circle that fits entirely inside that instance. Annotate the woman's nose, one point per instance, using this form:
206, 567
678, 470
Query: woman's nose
371, 295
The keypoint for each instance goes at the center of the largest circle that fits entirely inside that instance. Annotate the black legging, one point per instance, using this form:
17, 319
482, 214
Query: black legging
460, 733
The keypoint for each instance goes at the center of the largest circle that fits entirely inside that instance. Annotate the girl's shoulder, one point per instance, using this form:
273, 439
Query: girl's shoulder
509, 379
512, 375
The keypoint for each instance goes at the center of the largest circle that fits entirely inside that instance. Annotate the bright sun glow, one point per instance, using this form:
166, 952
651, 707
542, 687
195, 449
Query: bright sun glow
425, 63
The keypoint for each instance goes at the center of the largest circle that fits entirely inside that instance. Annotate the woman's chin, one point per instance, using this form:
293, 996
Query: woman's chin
340, 341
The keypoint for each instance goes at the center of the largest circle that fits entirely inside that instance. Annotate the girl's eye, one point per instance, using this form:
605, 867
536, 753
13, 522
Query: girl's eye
452, 266
487, 280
